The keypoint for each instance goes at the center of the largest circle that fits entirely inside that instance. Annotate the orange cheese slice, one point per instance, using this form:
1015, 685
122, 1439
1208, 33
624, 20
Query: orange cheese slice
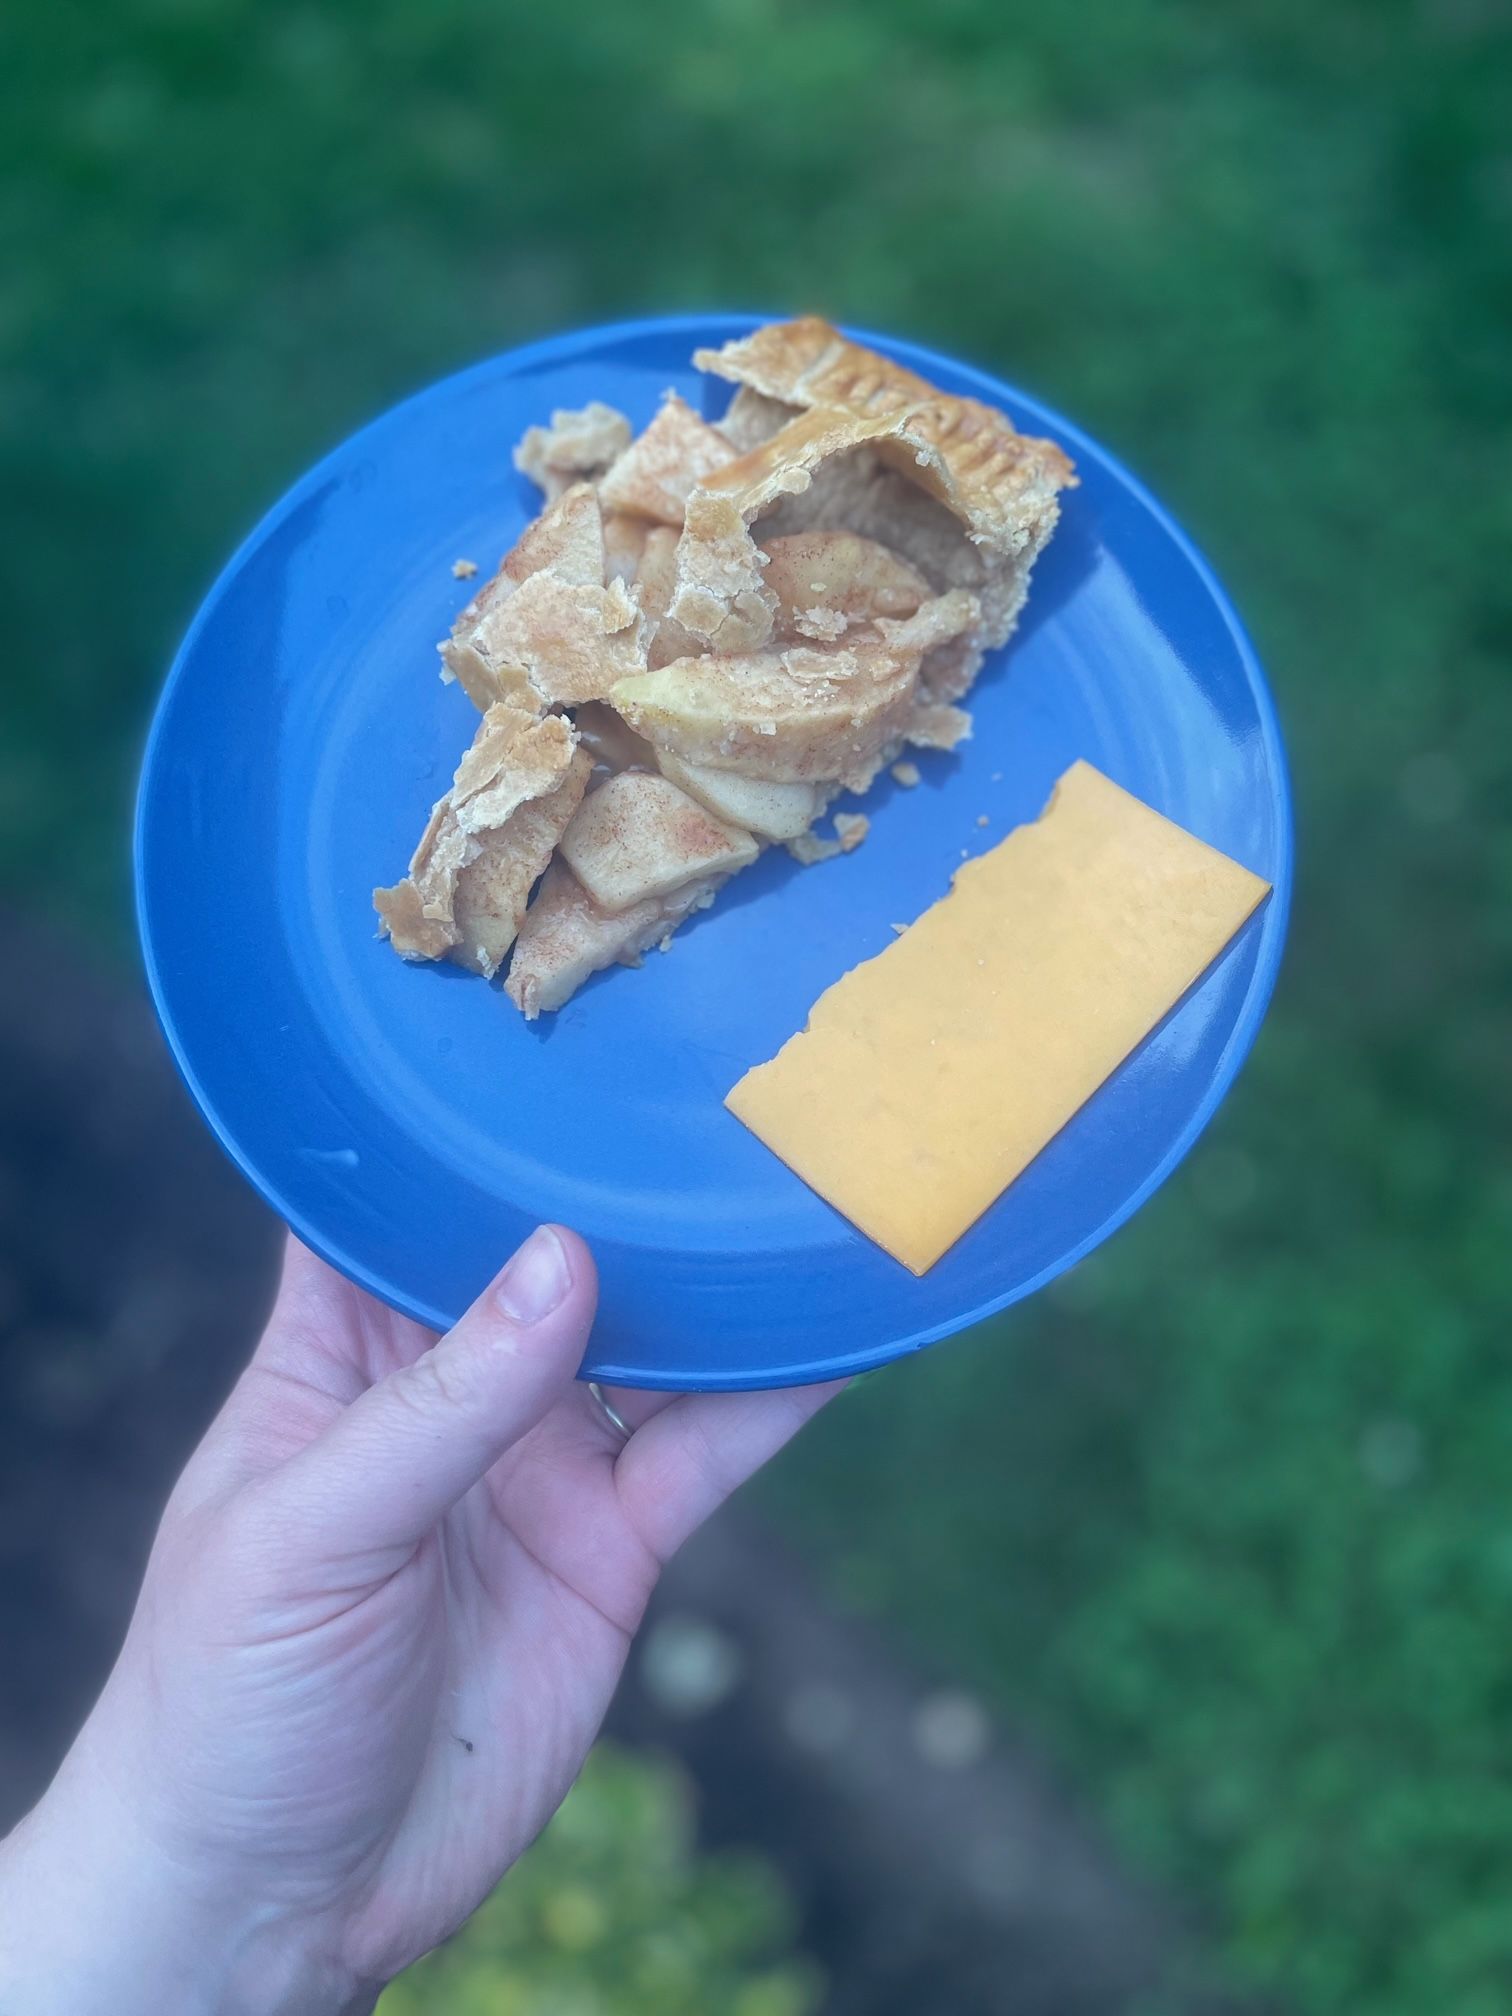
932, 1075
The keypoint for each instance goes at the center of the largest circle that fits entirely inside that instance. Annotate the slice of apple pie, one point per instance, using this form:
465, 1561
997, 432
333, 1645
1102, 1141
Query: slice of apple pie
709, 633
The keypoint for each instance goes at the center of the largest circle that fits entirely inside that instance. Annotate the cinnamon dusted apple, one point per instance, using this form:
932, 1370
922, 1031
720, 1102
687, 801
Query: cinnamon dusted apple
566, 937
773, 811
638, 836
799, 715
823, 583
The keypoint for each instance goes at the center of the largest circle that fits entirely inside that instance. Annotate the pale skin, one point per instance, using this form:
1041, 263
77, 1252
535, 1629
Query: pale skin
385, 1612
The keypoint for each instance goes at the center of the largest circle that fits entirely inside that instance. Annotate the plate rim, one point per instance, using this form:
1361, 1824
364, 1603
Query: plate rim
1275, 913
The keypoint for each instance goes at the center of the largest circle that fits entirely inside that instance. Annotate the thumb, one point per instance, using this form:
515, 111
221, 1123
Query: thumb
407, 1449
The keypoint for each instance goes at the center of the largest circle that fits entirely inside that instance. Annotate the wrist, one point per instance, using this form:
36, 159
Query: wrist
95, 1920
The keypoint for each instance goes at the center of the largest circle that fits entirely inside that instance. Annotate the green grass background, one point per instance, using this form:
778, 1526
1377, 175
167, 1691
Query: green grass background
1227, 1518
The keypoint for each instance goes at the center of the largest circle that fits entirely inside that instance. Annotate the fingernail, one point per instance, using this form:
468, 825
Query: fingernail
536, 1280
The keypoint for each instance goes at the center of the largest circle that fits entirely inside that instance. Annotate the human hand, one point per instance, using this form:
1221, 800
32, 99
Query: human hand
383, 1617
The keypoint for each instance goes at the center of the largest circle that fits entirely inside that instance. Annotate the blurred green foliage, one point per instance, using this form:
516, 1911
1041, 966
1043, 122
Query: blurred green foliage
613, 1914
1225, 1518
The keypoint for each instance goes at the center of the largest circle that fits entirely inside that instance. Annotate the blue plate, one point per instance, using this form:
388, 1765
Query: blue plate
412, 1128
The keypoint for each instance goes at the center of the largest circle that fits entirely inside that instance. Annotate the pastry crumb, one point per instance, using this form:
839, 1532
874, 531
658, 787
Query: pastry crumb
899, 928
851, 828
810, 849
983, 820
464, 570
906, 774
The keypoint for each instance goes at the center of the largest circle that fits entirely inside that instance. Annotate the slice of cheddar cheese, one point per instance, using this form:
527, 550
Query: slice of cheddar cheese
932, 1075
